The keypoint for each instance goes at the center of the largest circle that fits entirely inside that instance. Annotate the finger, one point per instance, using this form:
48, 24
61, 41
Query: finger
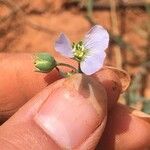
19, 82
114, 80
70, 113
125, 131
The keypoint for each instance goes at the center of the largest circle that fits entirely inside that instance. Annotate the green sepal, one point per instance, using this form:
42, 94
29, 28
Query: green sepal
44, 62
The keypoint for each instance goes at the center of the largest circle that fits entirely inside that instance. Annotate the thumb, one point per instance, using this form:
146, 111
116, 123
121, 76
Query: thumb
68, 114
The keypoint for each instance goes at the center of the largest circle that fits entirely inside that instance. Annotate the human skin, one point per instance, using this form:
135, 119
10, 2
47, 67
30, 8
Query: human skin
19, 83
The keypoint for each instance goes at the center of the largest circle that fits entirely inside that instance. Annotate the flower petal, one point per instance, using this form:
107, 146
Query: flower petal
92, 63
63, 46
97, 39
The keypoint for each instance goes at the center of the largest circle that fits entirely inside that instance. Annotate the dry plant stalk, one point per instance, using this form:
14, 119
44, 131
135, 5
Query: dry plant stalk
115, 31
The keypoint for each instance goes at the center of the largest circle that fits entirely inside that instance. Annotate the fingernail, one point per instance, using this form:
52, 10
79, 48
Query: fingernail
73, 112
140, 114
111, 81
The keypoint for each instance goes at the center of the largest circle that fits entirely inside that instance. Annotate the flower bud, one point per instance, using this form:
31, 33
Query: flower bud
44, 62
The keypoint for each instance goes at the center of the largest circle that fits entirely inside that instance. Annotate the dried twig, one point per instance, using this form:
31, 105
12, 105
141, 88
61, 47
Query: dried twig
39, 27
14, 9
19, 8
115, 31
104, 4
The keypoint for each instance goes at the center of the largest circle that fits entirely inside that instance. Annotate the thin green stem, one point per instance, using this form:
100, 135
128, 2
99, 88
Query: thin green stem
67, 65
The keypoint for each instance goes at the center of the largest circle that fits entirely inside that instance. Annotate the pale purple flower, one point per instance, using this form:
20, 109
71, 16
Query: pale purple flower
90, 52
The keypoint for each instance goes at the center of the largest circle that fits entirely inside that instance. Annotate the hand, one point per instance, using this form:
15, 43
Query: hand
69, 113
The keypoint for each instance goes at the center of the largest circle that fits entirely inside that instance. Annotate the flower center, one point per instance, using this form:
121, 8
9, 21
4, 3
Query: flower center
79, 51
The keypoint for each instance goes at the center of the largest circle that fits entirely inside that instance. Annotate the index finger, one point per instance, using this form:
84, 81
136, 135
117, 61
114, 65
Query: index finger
19, 81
